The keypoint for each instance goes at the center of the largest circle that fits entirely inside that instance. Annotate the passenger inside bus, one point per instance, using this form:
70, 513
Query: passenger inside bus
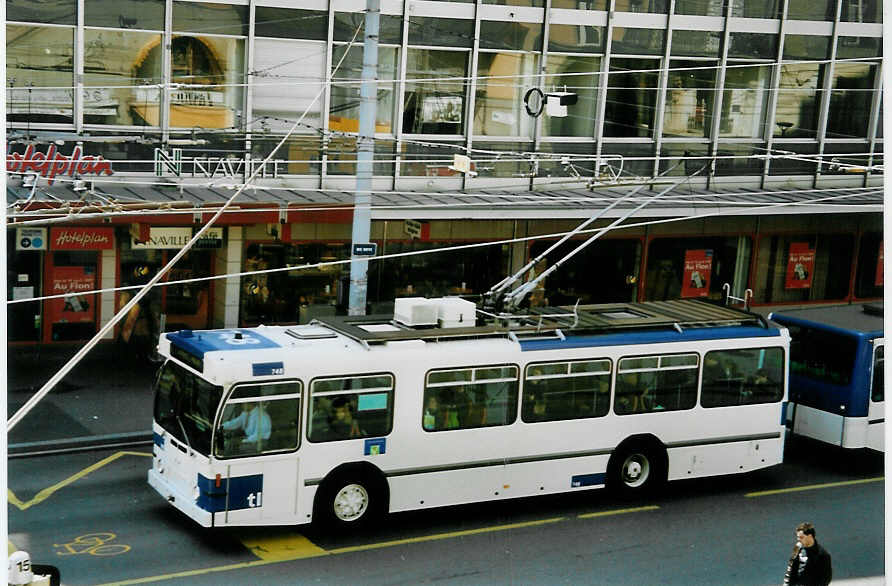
342, 424
633, 394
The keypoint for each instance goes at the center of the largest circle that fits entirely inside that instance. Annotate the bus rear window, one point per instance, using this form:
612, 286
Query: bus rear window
821, 356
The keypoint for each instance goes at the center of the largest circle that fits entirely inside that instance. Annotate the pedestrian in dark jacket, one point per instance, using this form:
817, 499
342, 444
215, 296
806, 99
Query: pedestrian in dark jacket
810, 563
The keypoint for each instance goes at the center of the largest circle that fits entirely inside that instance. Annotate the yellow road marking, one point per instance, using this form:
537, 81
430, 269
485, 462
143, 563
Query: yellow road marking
276, 550
813, 487
283, 547
48, 492
618, 512
439, 536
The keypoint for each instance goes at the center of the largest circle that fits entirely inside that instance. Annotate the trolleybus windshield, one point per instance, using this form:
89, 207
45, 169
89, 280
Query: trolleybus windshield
185, 406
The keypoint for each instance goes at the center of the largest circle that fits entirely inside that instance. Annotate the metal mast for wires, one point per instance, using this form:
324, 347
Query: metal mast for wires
368, 102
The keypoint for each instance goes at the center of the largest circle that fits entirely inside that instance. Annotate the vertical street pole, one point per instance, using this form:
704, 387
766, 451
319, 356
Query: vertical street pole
368, 102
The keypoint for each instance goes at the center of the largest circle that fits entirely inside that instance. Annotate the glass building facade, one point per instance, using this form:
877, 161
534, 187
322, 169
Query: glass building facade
761, 89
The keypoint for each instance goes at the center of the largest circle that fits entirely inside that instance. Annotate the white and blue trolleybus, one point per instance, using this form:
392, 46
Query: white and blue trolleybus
836, 374
347, 418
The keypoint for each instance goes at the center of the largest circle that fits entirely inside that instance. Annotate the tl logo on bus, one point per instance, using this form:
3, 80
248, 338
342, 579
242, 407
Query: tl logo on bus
255, 499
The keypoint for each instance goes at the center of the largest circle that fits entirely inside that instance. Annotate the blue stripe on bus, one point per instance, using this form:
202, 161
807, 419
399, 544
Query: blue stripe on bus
158, 439
199, 343
651, 337
245, 492
587, 480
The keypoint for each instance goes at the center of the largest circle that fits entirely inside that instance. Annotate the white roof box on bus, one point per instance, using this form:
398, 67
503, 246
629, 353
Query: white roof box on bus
415, 311
455, 312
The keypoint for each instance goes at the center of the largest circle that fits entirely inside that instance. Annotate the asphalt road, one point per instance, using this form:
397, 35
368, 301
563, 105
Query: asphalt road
94, 517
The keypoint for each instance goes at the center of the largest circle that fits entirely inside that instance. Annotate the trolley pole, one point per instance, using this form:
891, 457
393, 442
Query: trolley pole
368, 102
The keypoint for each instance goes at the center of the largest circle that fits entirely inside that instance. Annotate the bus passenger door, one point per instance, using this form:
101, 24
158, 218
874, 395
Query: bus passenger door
876, 425
261, 491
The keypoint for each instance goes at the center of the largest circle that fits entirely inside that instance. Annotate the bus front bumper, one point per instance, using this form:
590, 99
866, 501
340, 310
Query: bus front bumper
181, 501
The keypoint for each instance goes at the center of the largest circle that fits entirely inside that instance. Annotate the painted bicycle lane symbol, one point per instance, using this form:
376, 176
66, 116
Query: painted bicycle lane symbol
92, 544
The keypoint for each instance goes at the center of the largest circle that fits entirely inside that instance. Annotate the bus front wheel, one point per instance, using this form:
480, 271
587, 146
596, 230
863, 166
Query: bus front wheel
349, 501
636, 468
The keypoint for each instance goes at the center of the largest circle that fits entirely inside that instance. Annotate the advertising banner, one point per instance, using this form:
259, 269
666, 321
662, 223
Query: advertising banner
800, 266
697, 271
73, 307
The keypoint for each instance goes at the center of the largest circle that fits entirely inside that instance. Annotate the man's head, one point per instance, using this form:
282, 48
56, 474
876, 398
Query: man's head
805, 533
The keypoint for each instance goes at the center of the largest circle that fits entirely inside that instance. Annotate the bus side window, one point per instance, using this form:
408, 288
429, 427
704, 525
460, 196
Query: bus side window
877, 390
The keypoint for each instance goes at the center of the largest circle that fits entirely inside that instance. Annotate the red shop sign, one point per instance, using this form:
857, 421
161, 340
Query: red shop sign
82, 238
697, 271
878, 280
800, 266
53, 163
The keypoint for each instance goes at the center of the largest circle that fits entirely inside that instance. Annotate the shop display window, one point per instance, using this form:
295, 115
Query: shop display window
604, 272
40, 73
869, 276
287, 297
824, 276
455, 272
726, 260
503, 78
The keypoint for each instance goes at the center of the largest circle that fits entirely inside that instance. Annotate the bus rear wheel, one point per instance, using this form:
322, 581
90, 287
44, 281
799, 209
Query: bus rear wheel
637, 468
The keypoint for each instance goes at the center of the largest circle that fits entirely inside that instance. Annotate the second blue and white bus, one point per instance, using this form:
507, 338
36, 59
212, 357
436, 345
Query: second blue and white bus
836, 374
354, 417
